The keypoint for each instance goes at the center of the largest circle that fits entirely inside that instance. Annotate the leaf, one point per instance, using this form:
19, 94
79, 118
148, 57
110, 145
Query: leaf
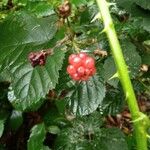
76, 136
113, 103
114, 139
79, 2
16, 119
138, 12
132, 58
87, 133
37, 137
30, 84
144, 4
25, 33
109, 71
87, 96
41, 9
21, 33
133, 61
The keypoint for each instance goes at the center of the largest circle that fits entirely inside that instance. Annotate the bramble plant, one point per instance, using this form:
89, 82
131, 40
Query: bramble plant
74, 75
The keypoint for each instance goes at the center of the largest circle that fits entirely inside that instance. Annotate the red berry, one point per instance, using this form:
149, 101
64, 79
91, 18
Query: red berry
81, 66
71, 58
89, 62
81, 71
71, 69
76, 62
75, 77
82, 55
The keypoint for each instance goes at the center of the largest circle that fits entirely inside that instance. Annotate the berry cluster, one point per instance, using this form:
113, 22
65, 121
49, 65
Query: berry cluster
81, 66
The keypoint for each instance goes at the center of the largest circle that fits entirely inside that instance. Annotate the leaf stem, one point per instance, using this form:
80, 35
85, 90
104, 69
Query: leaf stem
140, 125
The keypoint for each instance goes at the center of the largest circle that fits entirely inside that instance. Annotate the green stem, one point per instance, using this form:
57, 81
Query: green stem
140, 125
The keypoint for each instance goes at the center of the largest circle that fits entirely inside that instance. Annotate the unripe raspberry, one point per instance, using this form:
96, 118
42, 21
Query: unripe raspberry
81, 67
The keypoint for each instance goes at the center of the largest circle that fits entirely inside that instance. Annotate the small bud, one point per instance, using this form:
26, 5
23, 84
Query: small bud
64, 10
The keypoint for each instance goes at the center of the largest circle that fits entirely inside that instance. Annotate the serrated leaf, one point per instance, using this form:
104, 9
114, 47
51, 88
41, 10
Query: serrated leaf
114, 139
144, 4
21, 33
87, 96
37, 137
30, 84
109, 71
87, 133
16, 119
132, 58
113, 103
133, 61
25, 33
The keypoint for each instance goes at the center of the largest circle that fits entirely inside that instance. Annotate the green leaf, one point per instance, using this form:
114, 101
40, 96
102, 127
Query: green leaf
113, 103
137, 12
132, 59
25, 33
41, 9
79, 2
22, 33
109, 71
37, 137
87, 133
144, 4
30, 84
113, 139
87, 96
16, 119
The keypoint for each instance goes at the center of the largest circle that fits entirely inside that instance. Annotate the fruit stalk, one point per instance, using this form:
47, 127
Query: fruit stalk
140, 121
